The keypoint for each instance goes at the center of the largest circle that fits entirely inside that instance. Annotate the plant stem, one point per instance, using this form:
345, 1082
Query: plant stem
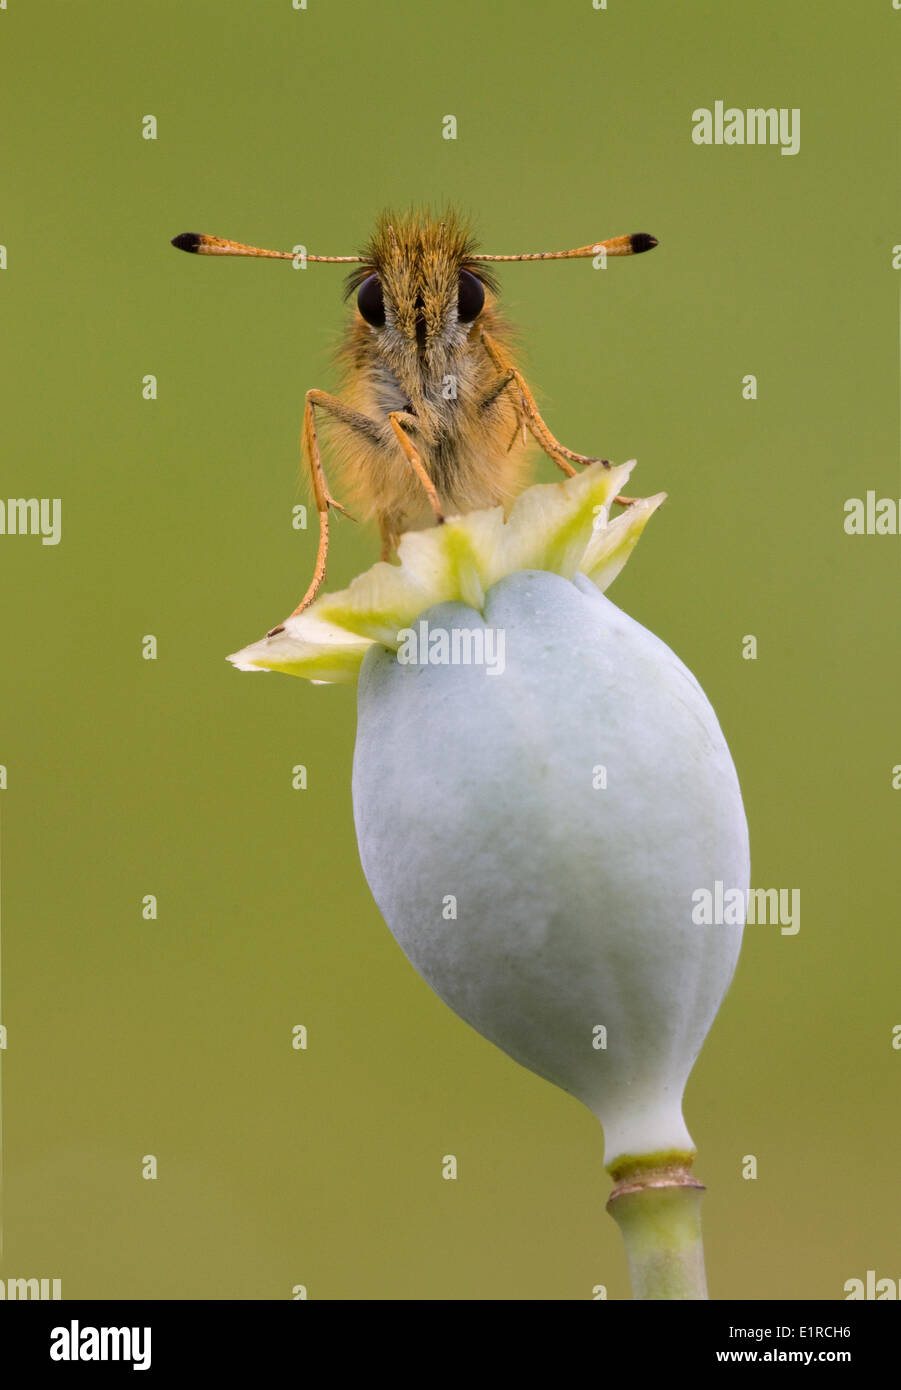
658, 1211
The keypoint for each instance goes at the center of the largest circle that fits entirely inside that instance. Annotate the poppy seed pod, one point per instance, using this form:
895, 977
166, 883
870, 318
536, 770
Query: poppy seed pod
533, 836
540, 790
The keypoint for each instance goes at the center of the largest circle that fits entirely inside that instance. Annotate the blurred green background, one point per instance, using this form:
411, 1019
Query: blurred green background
128, 777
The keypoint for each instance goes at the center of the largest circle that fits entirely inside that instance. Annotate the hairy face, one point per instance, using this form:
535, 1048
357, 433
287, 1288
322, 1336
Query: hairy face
419, 292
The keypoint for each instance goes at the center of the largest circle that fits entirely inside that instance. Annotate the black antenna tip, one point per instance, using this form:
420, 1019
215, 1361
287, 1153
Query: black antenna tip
641, 241
189, 241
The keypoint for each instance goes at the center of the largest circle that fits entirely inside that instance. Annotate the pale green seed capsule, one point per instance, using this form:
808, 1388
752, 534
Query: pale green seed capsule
534, 835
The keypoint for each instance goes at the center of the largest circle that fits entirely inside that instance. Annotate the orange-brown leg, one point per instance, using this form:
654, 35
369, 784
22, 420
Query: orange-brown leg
416, 463
323, 498
491, 396
529, 412
388, 535
531, 415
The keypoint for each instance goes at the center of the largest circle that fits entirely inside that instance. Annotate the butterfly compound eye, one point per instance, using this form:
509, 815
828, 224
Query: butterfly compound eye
470, 297
370, 302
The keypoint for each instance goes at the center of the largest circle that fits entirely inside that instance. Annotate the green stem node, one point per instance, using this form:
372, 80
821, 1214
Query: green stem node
658, 1210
